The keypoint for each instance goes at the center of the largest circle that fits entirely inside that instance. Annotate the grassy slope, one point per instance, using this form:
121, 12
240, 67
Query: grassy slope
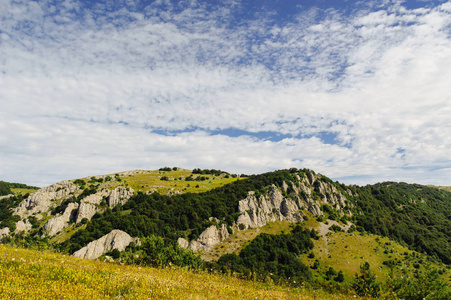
23, 191
31, 274
148, 181
341, 251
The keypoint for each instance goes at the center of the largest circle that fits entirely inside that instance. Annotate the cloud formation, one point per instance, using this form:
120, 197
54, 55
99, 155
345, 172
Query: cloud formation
360, 95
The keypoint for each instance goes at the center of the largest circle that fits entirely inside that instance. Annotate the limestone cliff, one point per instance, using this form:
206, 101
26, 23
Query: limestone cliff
60, 221
116, 239
43, 199
277, 204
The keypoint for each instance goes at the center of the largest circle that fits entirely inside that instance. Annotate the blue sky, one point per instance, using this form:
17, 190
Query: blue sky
355, 90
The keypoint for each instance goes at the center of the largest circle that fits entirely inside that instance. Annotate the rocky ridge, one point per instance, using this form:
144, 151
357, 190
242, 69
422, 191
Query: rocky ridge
43, 199
286, 203
41, 203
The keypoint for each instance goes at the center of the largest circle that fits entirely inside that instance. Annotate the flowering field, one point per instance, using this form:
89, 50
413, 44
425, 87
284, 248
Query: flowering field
32, 274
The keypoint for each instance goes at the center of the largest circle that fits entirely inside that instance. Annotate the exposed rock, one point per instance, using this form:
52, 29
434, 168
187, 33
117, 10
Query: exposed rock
116, 239
23, 226
90, 204
274, 207
41, 200
58, 223
6, 196
207, 239
4, 232
120, 195
183, 243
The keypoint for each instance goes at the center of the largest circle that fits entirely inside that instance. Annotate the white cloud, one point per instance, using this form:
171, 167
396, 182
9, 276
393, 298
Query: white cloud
70, 77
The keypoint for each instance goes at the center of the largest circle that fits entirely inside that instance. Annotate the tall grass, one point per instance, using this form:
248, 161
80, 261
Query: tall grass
32, 274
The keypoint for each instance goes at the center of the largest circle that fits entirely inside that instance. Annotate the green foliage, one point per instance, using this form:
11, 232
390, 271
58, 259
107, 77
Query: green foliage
173, 216
80, 182
340, 277
419, 285
365, 284
4, 189
416, 215
274, 256
63, 205
155, 252
15, 185
6, 211
165, 169
209, 172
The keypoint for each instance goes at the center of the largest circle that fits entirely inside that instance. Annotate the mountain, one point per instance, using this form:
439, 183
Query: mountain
160, 217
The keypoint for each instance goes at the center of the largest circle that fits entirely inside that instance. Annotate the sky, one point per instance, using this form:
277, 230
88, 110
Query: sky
359, 91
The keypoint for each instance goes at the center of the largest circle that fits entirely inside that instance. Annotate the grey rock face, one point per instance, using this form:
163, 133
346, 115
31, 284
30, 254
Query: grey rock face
58, 223
90, 204
273, 207
41, 200
116, 239
120, 195
23, 226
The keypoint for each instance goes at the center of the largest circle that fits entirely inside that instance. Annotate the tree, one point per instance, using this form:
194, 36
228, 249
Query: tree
4, 189
365, 284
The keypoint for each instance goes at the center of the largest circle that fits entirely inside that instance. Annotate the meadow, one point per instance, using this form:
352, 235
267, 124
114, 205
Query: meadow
33, 274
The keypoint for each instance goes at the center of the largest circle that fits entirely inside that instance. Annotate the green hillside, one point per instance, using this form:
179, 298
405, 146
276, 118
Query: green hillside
367, 239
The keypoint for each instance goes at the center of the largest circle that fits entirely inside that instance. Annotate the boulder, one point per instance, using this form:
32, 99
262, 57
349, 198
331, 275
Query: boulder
116, 239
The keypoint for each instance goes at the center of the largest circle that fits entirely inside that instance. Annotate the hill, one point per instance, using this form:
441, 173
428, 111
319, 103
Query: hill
241, 225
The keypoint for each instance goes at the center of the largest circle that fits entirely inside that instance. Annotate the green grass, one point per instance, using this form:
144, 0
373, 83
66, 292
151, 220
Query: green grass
239, 239
347, 251
23, 191
149, 181
31, 274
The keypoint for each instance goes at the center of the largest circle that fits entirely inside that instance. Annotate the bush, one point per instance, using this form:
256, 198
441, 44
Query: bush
365, 284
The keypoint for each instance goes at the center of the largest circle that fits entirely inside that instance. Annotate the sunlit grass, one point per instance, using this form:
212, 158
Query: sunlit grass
150, 181
239, 239
31, 274
23, 191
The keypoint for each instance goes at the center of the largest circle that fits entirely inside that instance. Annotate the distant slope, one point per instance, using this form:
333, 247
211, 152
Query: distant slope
416, 215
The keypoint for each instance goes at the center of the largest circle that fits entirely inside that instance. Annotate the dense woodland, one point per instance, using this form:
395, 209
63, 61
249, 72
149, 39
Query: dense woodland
416, 215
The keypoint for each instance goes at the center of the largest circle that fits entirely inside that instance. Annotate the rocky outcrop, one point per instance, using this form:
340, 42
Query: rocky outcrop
309, 192
116, 239
58, 223
207, 239
267, 208
4, 232
120, 195
23, 226
41, 200
90, 204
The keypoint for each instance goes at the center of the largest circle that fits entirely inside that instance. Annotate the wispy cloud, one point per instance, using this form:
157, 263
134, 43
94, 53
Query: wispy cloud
84, 89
